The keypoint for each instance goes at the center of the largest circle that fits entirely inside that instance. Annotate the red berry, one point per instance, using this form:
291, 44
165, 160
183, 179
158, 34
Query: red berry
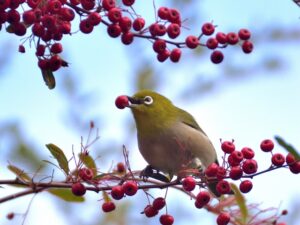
216, 57
117, 192
127, 38
166, 219
108, 206
67, 14
247, 47
249, 166
94, 18
232, 38
227, 147
223, 218
78, 189
21, 49
295, 168
86, 174
174, 16
33, 3
10, 216
221, 37
248, 153
114, 30
40, 50
121, 167
208, 29
108, 4
88, 4
173, 30
150, 211
232, 162
246, 186
75, 2
38, 30
212, 170
158, 203
128, 2
43, 64
223, 187
159, 45
28, 17
163, 56
55, 62
175, 55
212, 43
189, 183
138, 24
56, 48
125, 24
202, 199
267, 145
290, 159
130, 188
235, 173
54, 6
244, 34
4, 4
13, 16
221, 173
19, 29
192, 41
3, 16
86, 26
122, 102
237, 156
48, 21
278, 159
114, 15
163, 13
160, 29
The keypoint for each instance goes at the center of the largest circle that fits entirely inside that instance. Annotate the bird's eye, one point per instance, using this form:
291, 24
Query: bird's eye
148, 100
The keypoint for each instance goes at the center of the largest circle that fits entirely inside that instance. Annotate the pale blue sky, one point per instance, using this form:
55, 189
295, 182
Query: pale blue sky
247, 109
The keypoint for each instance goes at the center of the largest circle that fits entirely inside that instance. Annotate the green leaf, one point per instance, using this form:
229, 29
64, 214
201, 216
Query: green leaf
59, 155
20, 173
88, 161
66, 195
287, 147
49, 78
241, 201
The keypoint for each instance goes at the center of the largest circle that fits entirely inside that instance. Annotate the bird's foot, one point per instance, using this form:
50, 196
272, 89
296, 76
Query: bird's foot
150, 172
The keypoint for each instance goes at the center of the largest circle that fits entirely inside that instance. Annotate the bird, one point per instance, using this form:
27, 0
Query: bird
169, 138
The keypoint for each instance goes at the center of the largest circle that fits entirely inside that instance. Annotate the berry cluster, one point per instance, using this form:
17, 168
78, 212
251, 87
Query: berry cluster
49, 21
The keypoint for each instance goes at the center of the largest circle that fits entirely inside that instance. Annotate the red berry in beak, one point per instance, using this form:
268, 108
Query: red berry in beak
122, 101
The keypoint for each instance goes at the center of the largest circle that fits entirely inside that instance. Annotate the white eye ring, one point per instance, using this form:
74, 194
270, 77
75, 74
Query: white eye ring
148, 100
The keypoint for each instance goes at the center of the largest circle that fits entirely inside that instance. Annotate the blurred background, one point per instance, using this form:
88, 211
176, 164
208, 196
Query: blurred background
246, 98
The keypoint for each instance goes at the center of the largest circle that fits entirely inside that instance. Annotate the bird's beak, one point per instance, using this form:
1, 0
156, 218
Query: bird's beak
133, 102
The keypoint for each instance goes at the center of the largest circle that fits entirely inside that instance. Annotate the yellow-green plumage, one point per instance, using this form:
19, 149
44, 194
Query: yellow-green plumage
169, 138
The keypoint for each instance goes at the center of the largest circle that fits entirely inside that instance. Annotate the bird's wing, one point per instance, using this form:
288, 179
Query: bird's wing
189, 120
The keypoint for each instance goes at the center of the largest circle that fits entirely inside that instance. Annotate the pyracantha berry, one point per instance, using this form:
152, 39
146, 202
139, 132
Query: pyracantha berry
221, 37
192, 41
174, 16
189, 183
122, 101
55, 62
128, 2
114, 15
248, 153
295, 168
166, 219
108, 206
121, 166
223, 218
163, 56
163, 13
208, 29
94, 18
290, 158
86, 174
86, 26
232, 38
223, 187
159, 45
211, 170
221, 173
130, 188
29, 17
108, 4
278, 159
247, 47
21, 49
159, 203
212, 43
227, 147
78, 189
117, 192
237, 156
202, 199
56, 48
245, 186
175, 55
127, 38
150, 211
173, 30
138, 24
267, 145
125, 24
244, 34
88, 4
236, 173
114, 30
249, 166
10, 216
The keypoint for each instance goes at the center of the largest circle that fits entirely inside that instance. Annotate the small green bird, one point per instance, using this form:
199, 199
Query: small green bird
169, 138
